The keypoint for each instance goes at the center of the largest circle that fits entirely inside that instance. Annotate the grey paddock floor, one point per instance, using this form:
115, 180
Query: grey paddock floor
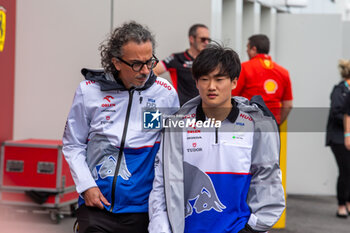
307, 214
313, 214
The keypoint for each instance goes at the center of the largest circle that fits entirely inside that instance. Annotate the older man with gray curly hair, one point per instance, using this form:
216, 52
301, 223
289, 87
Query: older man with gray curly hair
110, 142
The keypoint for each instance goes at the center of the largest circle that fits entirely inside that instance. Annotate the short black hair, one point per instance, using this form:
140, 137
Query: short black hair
193, 29
261, 42
216, 56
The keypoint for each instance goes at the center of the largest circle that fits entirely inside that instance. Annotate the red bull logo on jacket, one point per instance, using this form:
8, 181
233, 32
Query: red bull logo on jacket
200, 189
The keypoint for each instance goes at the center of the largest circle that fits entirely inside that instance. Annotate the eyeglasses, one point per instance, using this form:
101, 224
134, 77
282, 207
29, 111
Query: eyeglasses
204, 39
138, 65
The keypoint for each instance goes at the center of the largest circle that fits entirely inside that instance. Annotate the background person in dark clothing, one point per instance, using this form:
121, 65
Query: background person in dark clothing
335, 138
179, 65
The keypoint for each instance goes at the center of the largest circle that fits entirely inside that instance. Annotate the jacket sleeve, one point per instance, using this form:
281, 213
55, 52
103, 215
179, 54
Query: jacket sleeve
266, 196
158, 216
75, 143
337, 104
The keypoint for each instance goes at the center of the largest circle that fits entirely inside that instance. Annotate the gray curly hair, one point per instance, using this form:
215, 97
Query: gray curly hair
112, 47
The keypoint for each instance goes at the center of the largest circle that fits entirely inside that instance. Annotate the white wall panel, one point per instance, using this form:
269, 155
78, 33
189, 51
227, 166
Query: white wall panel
268, 26
251, 24
232, 20
309, 46
168, 20
54, 40
346, 39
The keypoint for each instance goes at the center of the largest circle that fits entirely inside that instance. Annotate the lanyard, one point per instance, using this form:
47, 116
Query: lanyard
347, 84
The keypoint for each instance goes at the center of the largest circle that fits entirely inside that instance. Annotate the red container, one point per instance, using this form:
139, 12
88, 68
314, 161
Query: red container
37, 166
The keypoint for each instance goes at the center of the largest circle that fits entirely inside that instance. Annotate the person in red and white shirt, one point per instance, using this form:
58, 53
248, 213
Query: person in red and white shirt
262, 76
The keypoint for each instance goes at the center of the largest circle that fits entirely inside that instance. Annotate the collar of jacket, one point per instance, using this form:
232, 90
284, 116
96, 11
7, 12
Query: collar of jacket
232, 116
108, 82
262, 55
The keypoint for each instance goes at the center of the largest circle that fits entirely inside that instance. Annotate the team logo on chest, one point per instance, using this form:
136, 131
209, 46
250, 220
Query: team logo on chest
151, 103
188, 64
194, 148
107, 102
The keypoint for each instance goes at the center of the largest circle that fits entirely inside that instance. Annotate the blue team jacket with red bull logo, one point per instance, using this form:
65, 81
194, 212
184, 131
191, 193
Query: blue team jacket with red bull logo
105, 128
223, 177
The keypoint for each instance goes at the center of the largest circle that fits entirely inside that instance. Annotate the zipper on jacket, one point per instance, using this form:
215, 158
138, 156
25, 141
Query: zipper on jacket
165, 198
216, 135
121, 149
141, 98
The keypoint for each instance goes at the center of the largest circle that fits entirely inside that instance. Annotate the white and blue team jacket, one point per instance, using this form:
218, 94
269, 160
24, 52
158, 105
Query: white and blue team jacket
104, 130
224, 177
217, 173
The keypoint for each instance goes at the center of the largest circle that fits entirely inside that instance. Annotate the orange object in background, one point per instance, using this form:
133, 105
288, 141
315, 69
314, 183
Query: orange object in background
281, 223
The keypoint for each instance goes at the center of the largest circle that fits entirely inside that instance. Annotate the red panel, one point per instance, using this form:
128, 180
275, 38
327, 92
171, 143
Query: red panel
22, 198
7, 68
51, 199
29, 177
67, 197
15, 197
41, 142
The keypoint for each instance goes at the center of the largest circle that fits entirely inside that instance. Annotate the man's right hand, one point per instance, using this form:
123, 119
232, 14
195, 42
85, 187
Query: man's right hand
347, 142
94, 198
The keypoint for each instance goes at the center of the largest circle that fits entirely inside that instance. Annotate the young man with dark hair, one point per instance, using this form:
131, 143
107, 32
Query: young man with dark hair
262, 76
179, 64
110, 157
222, 177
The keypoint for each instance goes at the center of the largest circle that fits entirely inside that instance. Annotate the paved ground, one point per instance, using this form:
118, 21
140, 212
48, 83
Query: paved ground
313, 214
305, 214
24, 221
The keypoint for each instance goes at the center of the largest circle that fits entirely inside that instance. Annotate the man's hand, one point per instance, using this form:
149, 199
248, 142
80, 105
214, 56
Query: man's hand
286, 107
347, 142
346, 131
93, 198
